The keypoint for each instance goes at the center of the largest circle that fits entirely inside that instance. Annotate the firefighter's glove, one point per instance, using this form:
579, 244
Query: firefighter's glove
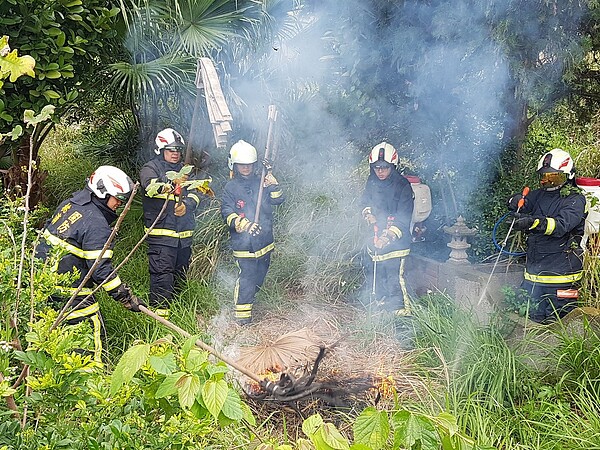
270, 180
513, 202
241, 224
381, 242
524, 222
267, 164
368, 216
254, 229
180, 209
128, 299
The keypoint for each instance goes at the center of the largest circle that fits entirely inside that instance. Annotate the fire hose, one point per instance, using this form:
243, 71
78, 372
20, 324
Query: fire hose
287, 388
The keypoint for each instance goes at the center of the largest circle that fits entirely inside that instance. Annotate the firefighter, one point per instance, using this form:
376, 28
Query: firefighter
553, 217
80, 227
387, 206
170, 241
250, 239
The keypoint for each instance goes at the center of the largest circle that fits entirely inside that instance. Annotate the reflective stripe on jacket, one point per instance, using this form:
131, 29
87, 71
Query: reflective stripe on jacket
80, 227
554, 253
240, 197
170, 230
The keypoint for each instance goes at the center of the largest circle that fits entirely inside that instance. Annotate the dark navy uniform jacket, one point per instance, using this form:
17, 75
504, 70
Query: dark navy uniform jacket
554, 253
81, 226
170, 230
392, 203
240, 197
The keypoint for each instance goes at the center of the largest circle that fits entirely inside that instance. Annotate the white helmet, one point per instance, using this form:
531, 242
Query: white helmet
108, 180
555, 168
384, 152
168, 138
241, 153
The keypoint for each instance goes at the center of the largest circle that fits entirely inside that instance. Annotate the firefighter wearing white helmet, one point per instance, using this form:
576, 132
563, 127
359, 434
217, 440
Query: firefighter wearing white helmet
80, 227
387, 206
553, 218
170, 241
251, 237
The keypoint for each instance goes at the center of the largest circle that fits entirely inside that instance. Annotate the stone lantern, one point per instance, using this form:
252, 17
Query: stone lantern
459, 233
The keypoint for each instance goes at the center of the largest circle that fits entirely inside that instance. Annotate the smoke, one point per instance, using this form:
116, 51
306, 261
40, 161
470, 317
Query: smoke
441, 80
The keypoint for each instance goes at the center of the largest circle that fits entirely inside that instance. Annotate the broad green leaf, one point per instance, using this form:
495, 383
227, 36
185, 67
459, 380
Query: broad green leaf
5, 389
169, 385
53, 74
248, 416
171, 174
332, 438
185, 170
51, 94
16, 65
188, 387
154, 188
189, 344
16, 132
164, 364
232, 408
131, 361
61, 39
360, 447
198, 410
195, 359
217, 369
411, 429
6, 117
214, 395
372, 428
448, 421
312, 424
30, 118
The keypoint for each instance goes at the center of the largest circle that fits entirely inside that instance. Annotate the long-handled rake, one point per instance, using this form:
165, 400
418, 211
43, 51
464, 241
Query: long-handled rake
288, 388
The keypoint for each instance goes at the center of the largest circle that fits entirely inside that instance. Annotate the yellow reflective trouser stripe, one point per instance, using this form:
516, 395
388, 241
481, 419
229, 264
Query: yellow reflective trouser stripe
243, 311
170, 233
276, 194
258, 254
112, 284
551, 225
83, 312
554, 279
97, 338
70, 290
390, 255
231, 217
403, 286
85, 254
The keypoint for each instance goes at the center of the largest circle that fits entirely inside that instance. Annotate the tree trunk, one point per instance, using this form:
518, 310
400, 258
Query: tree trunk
15, 179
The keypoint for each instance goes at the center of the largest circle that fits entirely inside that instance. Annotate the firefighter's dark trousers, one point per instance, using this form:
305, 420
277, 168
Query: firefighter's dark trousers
168, 266
390, 286
252, 273
550, 301
88, 310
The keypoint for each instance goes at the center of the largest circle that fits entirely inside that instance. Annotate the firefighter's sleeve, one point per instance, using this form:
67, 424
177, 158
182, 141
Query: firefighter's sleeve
93, 241
571, 213
275, 194
404, 208
228, 212
148, 176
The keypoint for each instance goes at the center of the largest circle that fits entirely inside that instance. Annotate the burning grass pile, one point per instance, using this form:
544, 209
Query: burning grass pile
366, 360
